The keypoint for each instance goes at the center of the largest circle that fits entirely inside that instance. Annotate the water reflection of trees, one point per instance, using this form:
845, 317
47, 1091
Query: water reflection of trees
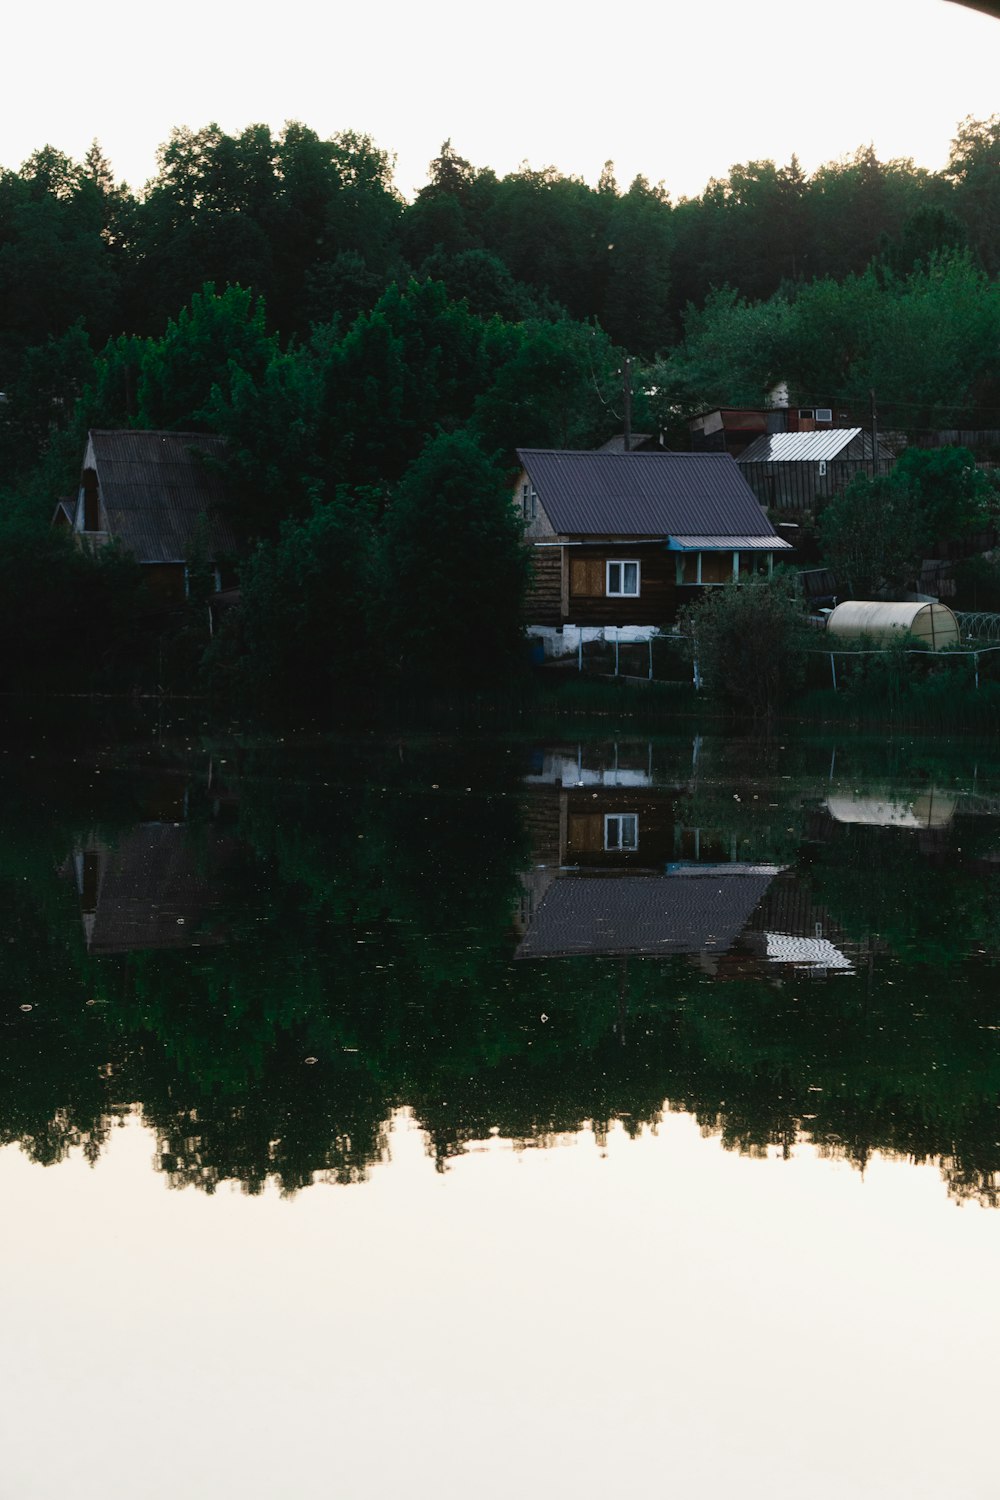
367, 923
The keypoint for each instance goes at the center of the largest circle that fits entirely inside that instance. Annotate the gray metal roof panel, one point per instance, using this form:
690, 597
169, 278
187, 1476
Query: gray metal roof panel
802, 447
644, 494
742, 543
688, 911
155, 485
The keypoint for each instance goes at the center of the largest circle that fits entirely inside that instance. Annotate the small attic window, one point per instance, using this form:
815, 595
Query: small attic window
91, 501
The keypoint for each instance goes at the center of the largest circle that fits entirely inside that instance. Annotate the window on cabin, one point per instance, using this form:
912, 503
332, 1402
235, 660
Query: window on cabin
586, 577
529, 502
622, 580
91, 502
621, 831
706, 568
716, 567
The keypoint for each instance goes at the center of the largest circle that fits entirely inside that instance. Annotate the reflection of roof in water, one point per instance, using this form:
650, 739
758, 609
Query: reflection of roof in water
929, 809
693, 910
156, 890
813, 952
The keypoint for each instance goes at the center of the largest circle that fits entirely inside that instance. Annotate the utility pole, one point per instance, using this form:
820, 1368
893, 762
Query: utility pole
627, 403
871, 395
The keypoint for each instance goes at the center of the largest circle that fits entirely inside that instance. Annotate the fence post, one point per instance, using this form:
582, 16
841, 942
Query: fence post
579, 652
617, 634
976, 660
833, 671
650, 658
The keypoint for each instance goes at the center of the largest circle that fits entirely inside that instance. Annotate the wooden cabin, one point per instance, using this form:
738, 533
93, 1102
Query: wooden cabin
151, 492
628, 539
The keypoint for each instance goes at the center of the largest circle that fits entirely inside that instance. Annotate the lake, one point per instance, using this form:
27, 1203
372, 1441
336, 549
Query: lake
498, 1116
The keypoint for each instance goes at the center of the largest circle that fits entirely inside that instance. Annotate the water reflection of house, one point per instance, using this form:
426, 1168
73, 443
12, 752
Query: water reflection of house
930, 809
691, 909
154, 887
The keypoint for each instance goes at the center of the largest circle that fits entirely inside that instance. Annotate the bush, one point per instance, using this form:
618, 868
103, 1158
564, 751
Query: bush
749, 640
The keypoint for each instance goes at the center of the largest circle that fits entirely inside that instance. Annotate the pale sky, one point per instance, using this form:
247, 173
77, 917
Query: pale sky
677, 92
661, 1318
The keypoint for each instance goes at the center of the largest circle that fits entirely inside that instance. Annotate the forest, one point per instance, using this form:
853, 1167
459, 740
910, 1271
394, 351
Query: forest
371, 359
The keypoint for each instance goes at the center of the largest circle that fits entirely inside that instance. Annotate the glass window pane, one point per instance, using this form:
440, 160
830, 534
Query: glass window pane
614, 578
716, 567
631, 580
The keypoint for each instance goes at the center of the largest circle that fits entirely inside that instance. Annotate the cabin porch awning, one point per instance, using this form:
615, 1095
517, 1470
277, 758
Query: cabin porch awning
727, 544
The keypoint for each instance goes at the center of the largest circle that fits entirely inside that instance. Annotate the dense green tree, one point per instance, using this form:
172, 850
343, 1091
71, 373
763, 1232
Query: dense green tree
455, 567
873, 536
302, 635
733, 353
411, 366
220, 337
974, 171
953, 496
636, 311
557, 385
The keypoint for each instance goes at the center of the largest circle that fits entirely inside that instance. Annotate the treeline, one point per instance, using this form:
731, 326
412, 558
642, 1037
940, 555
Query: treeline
316, 228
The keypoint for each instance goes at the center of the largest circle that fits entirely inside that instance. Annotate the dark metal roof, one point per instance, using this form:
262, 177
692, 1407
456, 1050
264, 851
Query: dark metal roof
155, 485
644, 494
157, 891
699, 909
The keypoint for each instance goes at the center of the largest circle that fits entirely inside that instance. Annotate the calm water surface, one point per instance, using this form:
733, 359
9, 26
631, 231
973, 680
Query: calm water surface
499, 1117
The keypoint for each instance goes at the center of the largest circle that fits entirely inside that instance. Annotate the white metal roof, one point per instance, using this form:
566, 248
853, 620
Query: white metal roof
801, 447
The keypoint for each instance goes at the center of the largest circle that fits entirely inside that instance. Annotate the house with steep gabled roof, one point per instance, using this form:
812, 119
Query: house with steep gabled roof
628, 539
156, 494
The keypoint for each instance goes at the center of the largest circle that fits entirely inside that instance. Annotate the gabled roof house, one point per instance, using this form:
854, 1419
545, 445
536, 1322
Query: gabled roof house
629, 538
150, 492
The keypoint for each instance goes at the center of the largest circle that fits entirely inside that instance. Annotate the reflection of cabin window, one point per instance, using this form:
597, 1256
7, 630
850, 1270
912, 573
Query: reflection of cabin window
91, 502
621, 831
529, 502
623, 579
90, 875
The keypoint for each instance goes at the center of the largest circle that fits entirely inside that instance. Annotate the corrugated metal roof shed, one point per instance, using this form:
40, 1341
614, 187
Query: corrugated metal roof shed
805, 447
701, 909
644, 494
155, 485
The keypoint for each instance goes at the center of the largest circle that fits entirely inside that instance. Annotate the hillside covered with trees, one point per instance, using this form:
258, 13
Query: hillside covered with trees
357, 350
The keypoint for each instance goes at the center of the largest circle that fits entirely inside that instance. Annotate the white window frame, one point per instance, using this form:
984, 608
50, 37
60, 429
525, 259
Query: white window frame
621, 818
623, 563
